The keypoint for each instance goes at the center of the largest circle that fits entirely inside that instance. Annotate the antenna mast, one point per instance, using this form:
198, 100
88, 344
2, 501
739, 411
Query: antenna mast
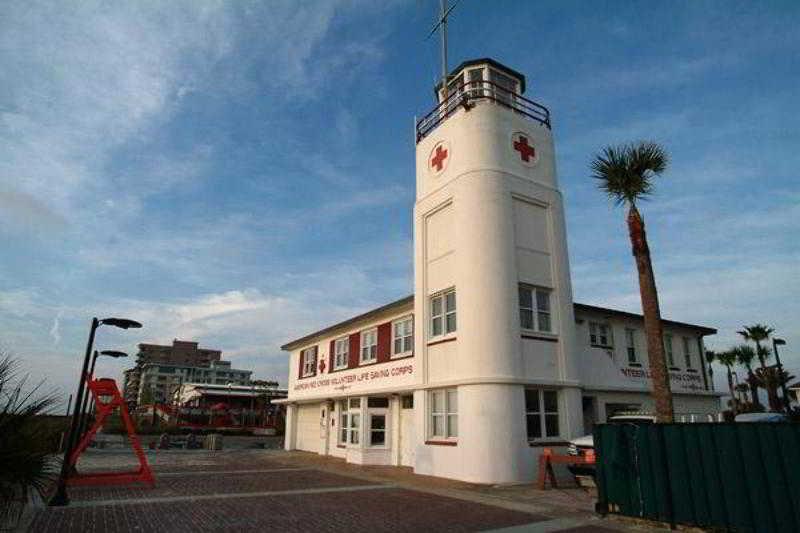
442, 22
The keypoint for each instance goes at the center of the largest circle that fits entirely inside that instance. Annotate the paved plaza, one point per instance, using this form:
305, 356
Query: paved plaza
246, 490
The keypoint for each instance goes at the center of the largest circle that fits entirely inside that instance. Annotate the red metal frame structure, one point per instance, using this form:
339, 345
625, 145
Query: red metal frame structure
107, 398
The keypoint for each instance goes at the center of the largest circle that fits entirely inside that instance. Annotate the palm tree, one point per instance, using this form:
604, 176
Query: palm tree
728, 359
757, 333
743, 389
626, 174
26, 453
745, 356
711, 356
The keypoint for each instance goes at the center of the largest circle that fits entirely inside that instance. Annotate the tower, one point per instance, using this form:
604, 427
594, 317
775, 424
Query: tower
493, 299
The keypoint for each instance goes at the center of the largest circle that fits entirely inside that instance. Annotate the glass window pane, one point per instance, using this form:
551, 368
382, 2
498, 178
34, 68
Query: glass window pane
451, 301
551, 425
525, 299
378, 422
438, 425
531, 400
543, 300
355, 419
398, 345
378, 402
437, 326
408, 344
437, 402
436, 306
452, 401
451, 323
452, 426
544, 322
377, 438
551, 401
526, 318
355, 403
534, 427
354, 437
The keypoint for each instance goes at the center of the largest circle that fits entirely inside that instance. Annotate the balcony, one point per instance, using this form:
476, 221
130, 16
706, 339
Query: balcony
468, 94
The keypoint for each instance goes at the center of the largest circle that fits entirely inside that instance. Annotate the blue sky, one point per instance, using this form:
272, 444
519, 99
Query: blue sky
240, 173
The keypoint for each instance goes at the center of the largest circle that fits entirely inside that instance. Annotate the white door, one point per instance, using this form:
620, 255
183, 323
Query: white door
407, 432
308, 428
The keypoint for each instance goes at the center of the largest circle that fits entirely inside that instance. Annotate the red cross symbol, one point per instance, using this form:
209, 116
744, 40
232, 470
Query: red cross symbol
438, 158
526, 151
321, 366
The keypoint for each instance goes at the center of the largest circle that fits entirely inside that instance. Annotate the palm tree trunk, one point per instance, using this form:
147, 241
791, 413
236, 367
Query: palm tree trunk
734, 401
751, 380
652, 317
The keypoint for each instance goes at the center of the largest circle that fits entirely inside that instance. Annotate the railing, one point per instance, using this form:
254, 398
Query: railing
465, 95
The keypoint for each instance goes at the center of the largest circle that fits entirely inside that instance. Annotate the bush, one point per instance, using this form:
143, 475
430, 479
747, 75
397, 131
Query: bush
26, 441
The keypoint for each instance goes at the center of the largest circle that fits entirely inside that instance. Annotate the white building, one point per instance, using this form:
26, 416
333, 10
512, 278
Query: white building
490, 359
159, 381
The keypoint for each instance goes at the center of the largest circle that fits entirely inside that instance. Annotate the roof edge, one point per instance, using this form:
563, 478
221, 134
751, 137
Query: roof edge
410, 299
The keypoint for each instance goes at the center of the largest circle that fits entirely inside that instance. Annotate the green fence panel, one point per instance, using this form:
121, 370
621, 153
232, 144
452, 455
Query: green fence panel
740, 477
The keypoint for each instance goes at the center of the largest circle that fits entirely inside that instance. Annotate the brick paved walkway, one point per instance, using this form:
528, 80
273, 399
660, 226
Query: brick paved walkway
279, 491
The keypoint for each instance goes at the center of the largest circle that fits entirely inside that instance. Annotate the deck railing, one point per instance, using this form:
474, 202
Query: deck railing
467, 94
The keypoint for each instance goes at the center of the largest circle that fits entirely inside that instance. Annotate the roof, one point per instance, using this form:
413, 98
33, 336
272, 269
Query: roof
409, 300
488, 61
593, 308
364, 316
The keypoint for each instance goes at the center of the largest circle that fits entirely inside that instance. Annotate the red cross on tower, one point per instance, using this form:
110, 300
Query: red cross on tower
526, 151
438, 158
321, 366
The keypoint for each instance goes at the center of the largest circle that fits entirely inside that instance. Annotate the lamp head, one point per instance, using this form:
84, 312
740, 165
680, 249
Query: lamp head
113, 353
124, 323
779, 342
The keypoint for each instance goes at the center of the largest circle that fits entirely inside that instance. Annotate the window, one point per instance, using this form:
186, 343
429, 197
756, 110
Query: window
377, 429
349, 421
668, 349
475, 77
341, 350
505, 87
541, 413
443, 413
443, 313
630, 345
403, 336
407, 402
309, 356
600, 335
534, 309
687, 354
369, 346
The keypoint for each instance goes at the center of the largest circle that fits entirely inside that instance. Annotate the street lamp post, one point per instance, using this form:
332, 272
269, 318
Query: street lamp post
775, 344
60, 497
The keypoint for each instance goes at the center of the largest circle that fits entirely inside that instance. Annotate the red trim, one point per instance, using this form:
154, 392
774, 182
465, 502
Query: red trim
316, 359
441, 442
341, 446
384, 342
355, 347
331, 356
434, 343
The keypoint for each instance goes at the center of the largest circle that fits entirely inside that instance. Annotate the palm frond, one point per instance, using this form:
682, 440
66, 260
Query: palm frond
626, 172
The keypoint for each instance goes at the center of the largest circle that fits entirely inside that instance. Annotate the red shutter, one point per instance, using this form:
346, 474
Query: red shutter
355, 346
384, 342
331, 356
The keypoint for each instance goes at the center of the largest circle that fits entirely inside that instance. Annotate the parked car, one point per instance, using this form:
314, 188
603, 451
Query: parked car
580, 446
761, 417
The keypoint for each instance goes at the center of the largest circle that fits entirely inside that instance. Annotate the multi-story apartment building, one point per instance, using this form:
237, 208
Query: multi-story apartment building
161, 369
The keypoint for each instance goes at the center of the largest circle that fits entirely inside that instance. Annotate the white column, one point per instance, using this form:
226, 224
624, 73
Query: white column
394, 429
290, 437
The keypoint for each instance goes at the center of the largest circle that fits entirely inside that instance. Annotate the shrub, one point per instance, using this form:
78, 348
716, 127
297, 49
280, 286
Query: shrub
26, 463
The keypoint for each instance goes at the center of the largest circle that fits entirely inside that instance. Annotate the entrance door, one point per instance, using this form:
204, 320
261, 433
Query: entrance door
407, 431
308, 428
589, 414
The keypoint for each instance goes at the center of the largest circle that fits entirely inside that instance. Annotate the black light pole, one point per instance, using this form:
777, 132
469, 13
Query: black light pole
60, 497
85, 409
775, 344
